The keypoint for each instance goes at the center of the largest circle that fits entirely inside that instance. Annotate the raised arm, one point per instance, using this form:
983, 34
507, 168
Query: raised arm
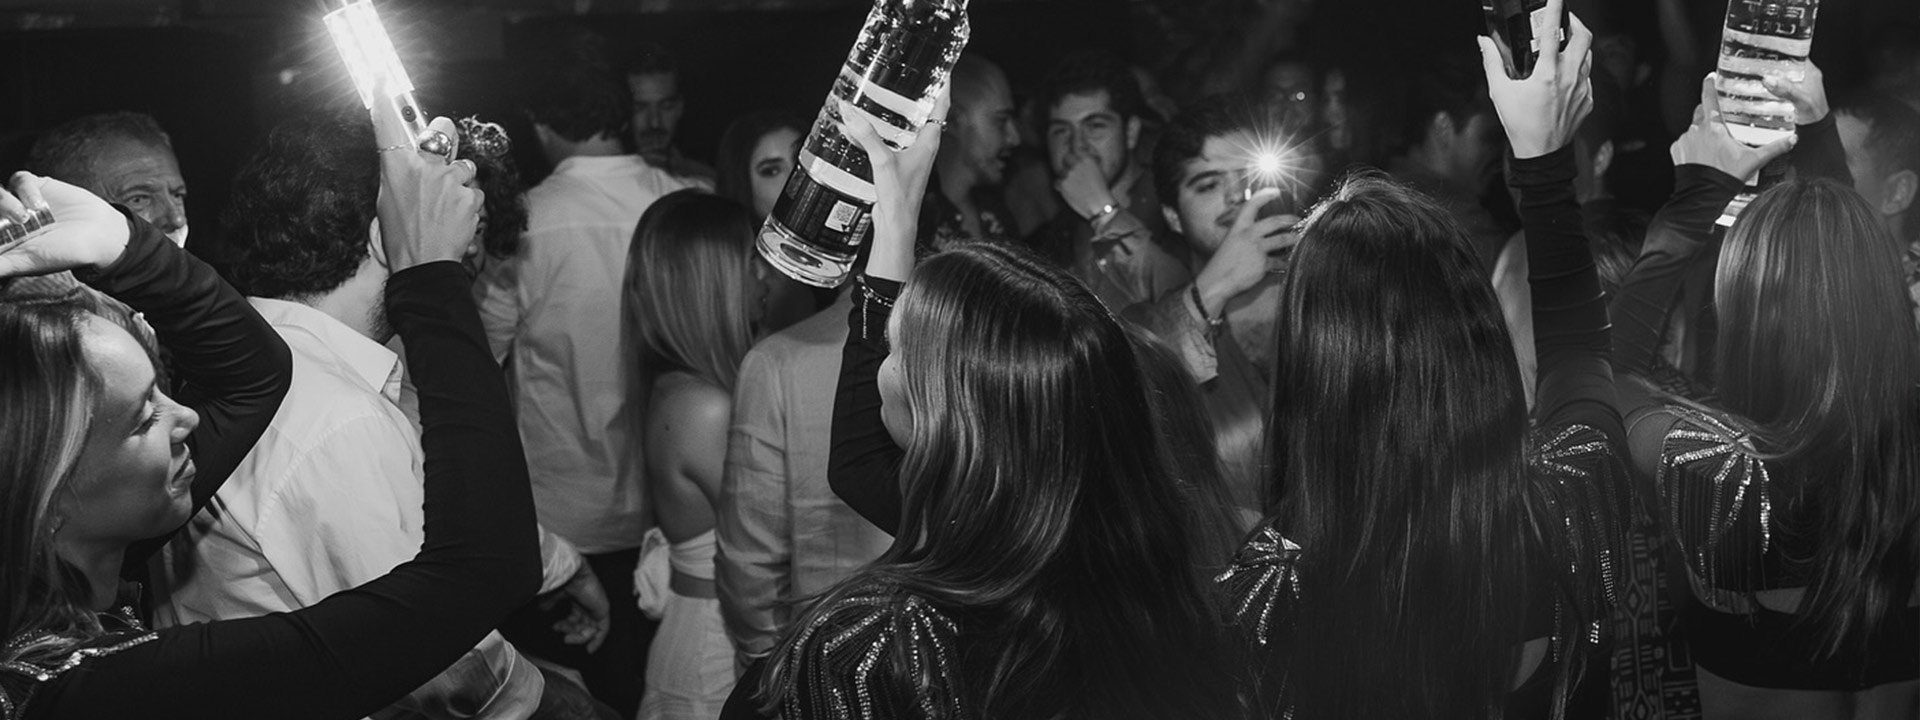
863, 464
361, 649
1541, 114
234, 366
1709, 170
1819, 153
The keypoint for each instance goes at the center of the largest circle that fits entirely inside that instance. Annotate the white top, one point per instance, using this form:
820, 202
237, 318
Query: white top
552, 314
330, 498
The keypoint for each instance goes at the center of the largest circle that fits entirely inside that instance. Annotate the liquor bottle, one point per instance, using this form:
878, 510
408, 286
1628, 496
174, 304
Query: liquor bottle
1518, 24
898, 65
1763, 38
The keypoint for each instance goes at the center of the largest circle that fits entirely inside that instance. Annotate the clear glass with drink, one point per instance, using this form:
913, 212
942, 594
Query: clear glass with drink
1762, 39
899, 63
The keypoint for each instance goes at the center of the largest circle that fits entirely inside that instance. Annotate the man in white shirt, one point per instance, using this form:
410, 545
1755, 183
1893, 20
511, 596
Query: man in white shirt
784, 537
330, 497
552, 313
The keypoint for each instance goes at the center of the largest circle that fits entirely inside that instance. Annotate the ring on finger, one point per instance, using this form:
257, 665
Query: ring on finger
11, 230
438, 143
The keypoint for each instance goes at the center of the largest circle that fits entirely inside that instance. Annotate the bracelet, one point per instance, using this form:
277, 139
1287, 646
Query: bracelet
1106, 211
1193, 292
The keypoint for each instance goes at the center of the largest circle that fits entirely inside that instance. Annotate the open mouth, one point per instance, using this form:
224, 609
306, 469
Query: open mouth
182, 477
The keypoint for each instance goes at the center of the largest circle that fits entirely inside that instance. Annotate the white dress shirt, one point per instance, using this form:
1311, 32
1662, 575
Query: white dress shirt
330, 498
552, 314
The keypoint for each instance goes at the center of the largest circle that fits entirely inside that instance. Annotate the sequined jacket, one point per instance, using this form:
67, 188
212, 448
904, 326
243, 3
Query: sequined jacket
876, 653
1579, 490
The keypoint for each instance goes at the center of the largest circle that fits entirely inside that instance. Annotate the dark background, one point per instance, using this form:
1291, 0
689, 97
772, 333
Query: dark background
218, 74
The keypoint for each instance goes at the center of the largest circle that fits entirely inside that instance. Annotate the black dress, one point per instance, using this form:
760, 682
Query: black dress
361, 649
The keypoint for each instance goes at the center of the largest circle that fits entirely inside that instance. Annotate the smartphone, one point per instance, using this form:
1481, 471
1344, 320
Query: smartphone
1517, 26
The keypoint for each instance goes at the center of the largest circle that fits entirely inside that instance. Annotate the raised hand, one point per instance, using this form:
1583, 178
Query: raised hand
1084, 187
1241, 261
86, 232
900, 181
1708, 143
427, 210
1542, 111
1807, 90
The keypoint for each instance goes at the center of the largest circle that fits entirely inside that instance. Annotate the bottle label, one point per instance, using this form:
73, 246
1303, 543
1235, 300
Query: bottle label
843, 217
833, 176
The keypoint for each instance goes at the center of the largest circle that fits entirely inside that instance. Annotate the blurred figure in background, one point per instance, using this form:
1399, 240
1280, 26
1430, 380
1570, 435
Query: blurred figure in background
653, 78
125, 158
963, 201
546, 315
757, 153
1094, 114
1882, 141
1222, 323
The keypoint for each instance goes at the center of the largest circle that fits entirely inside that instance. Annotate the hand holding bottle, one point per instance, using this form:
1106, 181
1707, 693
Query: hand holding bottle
1707, 141
86, 232
1807, 92
900, 181
1542, 111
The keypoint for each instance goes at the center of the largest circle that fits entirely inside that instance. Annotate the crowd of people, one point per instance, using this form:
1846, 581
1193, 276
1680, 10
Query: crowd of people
1323, 394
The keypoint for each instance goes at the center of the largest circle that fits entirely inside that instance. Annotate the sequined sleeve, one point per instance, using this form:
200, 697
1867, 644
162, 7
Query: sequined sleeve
1262, 586
1581, 502
875, 656
1717, 505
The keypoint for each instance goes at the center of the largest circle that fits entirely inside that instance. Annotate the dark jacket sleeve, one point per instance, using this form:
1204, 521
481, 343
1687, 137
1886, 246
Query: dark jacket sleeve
1678, 234
863, 464
233, 365
1819, 154
1569, 310
360, 650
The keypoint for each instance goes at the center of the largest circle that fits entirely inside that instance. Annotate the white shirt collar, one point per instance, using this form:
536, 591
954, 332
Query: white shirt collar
369, 360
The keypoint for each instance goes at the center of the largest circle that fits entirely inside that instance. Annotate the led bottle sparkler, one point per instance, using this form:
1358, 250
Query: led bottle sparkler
375, 67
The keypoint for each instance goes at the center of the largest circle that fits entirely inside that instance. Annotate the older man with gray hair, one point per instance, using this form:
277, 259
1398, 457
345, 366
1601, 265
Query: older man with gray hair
123, 157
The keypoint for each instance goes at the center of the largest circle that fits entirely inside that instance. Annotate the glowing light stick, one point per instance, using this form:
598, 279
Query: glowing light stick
375, 67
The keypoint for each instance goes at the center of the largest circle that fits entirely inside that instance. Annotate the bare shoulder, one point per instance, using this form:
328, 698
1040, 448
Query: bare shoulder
681, 400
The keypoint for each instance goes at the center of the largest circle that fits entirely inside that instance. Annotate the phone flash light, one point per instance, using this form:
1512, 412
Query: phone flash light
1268, 164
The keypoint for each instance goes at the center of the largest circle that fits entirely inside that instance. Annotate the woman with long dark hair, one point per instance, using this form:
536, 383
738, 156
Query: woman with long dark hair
1792, 499
993, 416
757, 153
1433, 554
97, 458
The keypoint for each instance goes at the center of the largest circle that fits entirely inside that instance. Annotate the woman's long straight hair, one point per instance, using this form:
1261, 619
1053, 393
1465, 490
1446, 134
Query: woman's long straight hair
1039, 505
48, 390
1398, 442
1818, 352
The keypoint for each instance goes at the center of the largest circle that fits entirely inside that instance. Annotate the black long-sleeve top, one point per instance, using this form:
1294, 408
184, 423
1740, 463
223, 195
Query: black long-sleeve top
1571, 332
361, 649
863, 463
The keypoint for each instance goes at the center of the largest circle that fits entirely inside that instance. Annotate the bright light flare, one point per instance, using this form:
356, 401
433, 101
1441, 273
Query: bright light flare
367, 51
1274, 162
